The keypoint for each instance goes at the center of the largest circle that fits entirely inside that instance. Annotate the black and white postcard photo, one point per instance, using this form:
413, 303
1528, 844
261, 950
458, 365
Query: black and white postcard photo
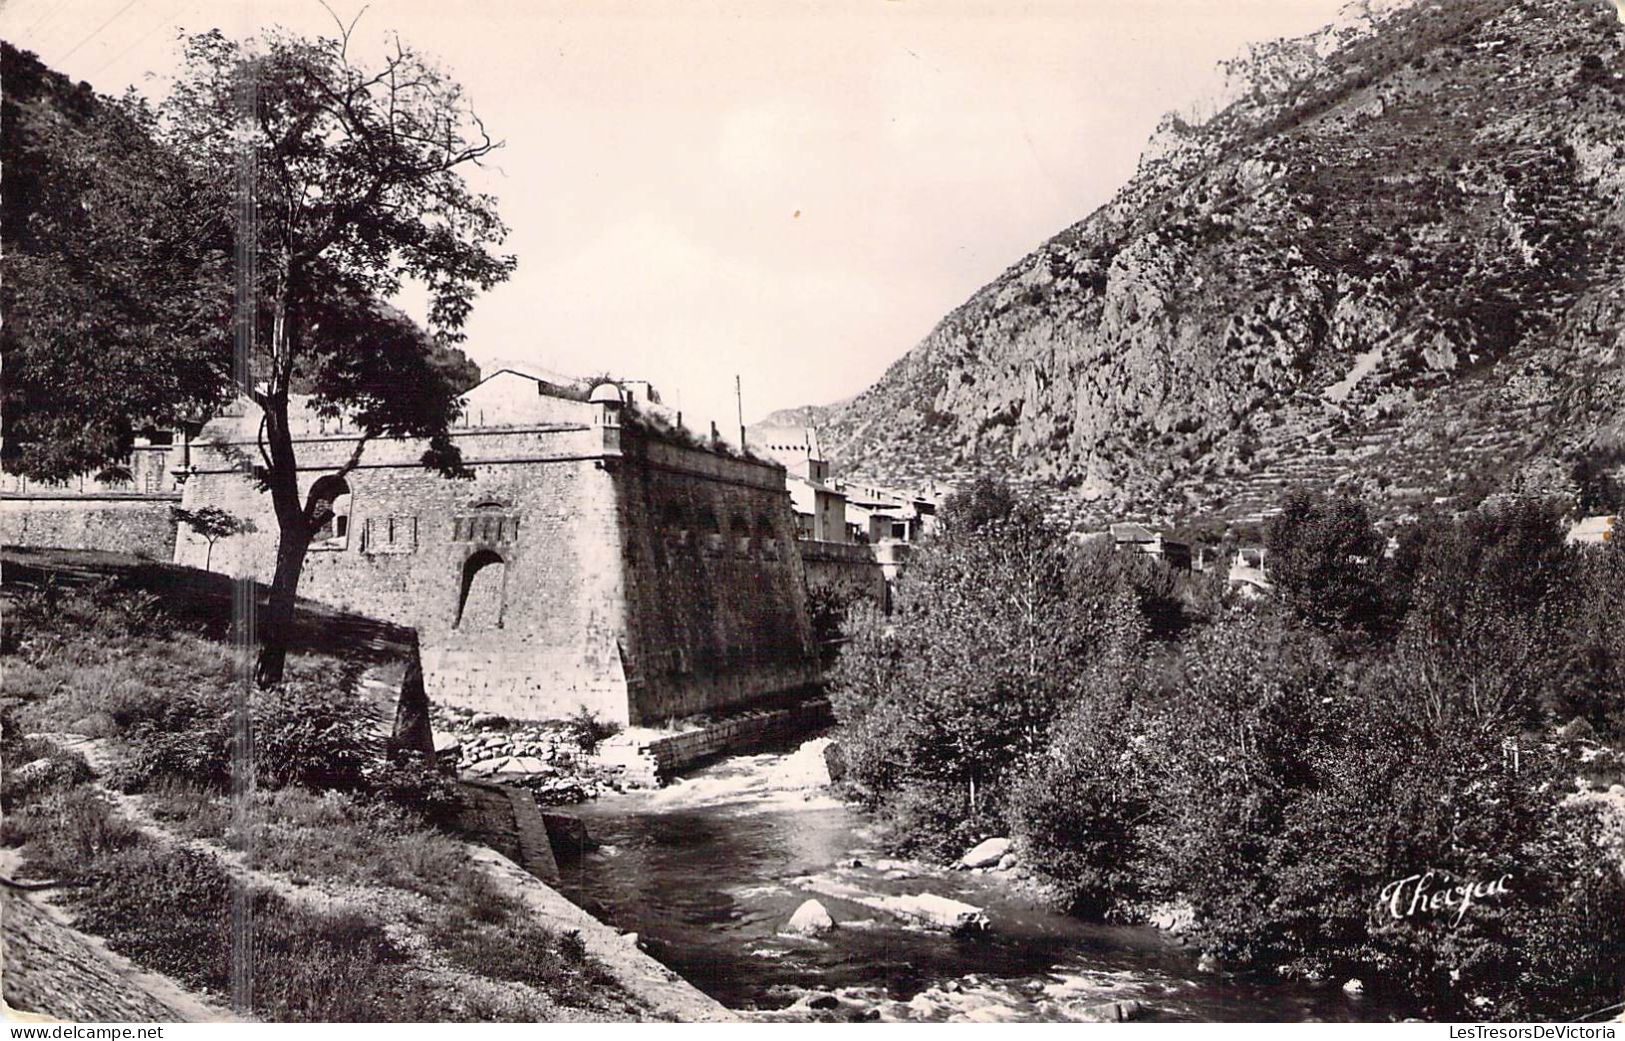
843, 512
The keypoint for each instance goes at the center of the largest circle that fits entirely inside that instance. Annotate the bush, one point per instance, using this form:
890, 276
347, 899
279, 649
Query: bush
827, 607
1451, 802
67, 830
314, 734
504, 944
1326, 558
937, 821
1232, 743
169, 910
587, 728
175, 911
190, 739
58, 769
44, 618
418, 788
304, 732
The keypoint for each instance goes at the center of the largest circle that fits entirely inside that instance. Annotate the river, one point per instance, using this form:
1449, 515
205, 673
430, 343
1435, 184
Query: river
708, 870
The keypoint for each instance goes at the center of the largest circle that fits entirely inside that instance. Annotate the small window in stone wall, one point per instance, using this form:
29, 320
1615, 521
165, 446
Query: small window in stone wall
330, 499
392, 535
485, 526
710, 530
764, 542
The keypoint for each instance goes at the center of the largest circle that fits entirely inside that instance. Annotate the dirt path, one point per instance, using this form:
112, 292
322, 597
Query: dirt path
53, 970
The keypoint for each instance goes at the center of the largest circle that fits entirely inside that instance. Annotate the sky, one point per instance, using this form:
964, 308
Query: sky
790, 191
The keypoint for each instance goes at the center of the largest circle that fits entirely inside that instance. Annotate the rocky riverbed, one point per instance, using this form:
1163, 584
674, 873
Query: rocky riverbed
715, 872
552, 758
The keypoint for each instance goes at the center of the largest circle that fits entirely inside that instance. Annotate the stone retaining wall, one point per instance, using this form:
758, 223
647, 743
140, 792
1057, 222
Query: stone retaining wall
141, 525
651, 761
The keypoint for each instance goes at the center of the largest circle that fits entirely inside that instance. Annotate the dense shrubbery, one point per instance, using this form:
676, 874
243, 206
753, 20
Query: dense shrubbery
1282, 766
107, 660
311, 732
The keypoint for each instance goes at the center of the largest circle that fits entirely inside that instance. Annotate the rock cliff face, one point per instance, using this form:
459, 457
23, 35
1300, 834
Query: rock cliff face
1391, 258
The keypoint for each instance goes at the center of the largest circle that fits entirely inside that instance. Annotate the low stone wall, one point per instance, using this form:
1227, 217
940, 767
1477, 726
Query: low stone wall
139, 525
848, 568
854, 569
491, 805
651, 761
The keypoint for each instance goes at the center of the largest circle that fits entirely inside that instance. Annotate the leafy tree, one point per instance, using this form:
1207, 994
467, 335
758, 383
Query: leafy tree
1326, 557
1100, 570
986, 500
1081, 808
1234, 729
354, 172
116, 291
212, 524
1596, 662
950, 697
827, 606
1488, 630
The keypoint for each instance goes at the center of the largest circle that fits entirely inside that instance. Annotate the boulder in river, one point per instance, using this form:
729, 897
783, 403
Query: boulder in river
935, 911
524, 764
1354, 988
1175, 917
810, 919
806, 767
1113, 1012
986, 853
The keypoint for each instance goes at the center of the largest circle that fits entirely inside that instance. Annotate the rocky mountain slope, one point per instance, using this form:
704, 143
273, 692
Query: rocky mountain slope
1392, 258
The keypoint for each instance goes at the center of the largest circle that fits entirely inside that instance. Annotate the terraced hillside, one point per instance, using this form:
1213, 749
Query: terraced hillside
1392, 260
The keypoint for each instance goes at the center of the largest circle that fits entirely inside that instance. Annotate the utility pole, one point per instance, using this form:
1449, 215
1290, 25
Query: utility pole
739, 403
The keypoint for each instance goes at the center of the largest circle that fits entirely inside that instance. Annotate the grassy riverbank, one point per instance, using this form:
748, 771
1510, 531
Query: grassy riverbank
363, 906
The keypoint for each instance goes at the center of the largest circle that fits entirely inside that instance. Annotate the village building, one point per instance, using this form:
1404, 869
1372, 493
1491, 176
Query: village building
820, 508
875, 514
1592, 531
1127, 535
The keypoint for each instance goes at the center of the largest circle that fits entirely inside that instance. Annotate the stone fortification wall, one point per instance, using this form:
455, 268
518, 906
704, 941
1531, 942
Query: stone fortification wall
121, 524
509, 578
583, 566
716, 599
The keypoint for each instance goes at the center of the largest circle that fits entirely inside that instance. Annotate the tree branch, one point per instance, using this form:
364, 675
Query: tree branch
355, 456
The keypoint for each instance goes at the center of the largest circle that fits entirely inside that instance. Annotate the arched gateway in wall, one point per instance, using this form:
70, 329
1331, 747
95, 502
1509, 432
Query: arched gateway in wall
480, 606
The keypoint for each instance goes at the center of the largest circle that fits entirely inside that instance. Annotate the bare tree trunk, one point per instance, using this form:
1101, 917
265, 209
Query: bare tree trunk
276, 630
